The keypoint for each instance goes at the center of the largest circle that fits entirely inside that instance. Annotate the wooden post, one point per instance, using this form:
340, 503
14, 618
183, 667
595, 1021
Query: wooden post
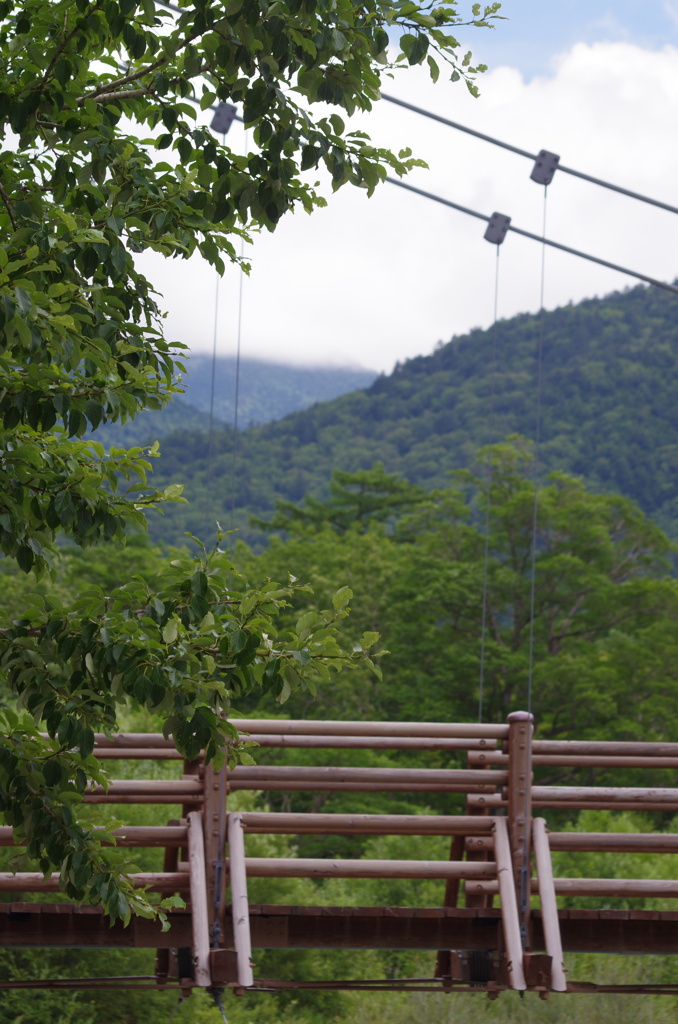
473, 900
549, 907
443, 966
170, 863
215, 842
199, 915
509, 908
239, 900
520, 811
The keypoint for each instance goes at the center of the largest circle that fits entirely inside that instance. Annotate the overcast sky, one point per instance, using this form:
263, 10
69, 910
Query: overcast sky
370, 282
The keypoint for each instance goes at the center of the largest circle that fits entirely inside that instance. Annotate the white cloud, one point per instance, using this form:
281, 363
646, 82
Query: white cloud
379, 280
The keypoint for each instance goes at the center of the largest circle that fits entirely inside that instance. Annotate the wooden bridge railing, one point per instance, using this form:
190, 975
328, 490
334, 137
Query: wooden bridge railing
494, 848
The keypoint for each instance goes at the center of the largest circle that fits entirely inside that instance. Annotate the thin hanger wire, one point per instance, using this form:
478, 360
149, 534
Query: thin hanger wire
488, 501
540, 356
236, 400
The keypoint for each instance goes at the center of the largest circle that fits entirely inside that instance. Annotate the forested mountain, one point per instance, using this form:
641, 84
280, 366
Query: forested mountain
609, 395
266, 391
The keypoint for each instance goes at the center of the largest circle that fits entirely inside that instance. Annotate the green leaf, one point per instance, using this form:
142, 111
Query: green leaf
170, 630
341, 598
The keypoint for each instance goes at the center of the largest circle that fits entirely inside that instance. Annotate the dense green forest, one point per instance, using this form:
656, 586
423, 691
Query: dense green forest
605, 660
410, 545
610, 368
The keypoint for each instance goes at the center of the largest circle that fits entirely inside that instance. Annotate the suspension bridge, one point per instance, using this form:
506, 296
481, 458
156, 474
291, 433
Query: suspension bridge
497, 926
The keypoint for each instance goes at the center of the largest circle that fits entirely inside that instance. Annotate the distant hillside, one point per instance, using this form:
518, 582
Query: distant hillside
610, 414
153, 425
267, 391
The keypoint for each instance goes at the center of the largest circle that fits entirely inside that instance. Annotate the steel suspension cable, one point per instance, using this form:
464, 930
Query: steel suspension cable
488, 498
535, 238
531, 156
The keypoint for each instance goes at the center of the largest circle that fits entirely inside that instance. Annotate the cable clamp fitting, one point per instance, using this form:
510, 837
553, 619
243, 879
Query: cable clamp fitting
224, 115
545, 166
497, 227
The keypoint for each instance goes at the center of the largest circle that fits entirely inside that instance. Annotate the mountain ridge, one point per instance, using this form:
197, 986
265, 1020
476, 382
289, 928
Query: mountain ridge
609, 392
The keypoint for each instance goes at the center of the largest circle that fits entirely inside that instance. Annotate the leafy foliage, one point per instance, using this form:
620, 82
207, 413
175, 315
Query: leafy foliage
356, 499
102, 160
601, 628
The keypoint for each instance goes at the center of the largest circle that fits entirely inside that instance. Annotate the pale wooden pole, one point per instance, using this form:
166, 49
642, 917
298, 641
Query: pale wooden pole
239, 900
549, 907
199, 912
509, 907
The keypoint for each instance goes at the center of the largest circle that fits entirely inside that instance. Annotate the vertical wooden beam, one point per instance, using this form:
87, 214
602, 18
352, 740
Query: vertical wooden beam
239, 901
443, 966
162, 958
519, 742
477, 900
216, 786
199, 915
509, 907
549, 907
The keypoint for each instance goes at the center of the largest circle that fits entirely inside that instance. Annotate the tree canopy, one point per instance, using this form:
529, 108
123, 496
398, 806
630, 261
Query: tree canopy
597, 639
103, 159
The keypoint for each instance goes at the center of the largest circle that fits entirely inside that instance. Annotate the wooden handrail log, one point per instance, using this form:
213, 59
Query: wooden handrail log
370, 742
605, 748
147, 791
544, 798
364, 824
138, 754
608, 887
33, 881
478, 758
154, 740
615, 842
128, 835
305, 867
128, 787
474, 844
608, 794
338, 735
594, 805
459, 730
396, 776
274, 783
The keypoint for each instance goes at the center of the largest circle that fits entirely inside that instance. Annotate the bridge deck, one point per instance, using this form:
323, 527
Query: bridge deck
498, 849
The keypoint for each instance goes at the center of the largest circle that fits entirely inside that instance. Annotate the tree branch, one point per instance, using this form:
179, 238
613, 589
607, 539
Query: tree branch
127, 94
136, 75
64, 43
8, 206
